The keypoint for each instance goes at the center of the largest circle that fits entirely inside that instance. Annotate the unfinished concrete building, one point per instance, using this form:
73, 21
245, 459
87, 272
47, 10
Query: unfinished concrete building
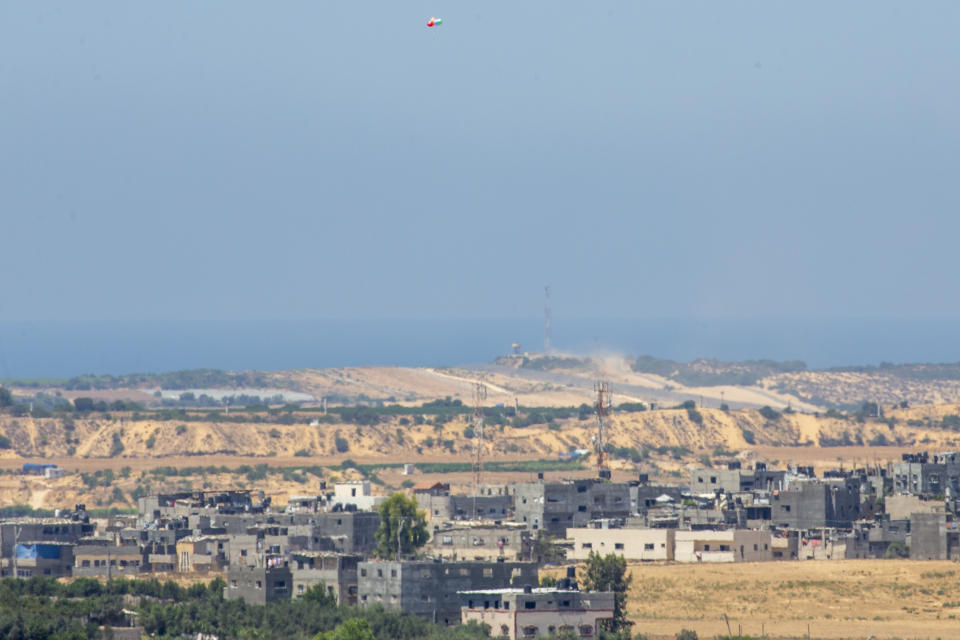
259, 585
429, 588
337, 573
926, 475
812, 503
733, 479
480, 540
555, 506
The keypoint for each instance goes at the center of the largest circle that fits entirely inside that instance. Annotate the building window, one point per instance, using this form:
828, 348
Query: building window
299, 589
504, 630
587, 545
618, 546
488, 572
393, 573
713, 479
363, 573
530, 604
586, 631
756, 547
529, 631
259, 585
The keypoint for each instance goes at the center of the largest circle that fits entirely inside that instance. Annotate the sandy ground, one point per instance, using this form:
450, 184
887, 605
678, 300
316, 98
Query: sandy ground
837, 599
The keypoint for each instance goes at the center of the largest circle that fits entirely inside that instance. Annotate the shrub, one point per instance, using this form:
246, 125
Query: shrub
302, 453
748, 436
5, 442
769, 413
151, 441
181, 429
274, 433
341, 444
694, 416
116, 448
897, 550
687, 634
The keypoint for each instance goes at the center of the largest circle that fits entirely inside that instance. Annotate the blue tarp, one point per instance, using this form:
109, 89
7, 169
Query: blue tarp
32, 466
33, 551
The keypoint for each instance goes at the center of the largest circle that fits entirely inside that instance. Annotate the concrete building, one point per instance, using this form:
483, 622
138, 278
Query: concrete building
901, 507
493, 502
429, 589
732, 545
632, 544
934, 537
872, 539
16, 530
356, 495
53, 559
479, 540
555, 506
201, 554
537, 612
259, 585
734, 479
100, 557
337, 572
812, 503
922, 474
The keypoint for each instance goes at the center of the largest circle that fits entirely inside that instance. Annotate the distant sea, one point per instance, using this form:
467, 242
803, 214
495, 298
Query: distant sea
68, 349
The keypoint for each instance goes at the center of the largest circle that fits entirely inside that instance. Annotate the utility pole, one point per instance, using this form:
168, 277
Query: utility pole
16, 543
399, 529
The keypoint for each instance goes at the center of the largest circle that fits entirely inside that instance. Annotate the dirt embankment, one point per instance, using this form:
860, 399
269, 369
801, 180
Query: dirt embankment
697, 430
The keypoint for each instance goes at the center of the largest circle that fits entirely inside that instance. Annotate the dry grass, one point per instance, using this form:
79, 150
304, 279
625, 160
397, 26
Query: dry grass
837, 599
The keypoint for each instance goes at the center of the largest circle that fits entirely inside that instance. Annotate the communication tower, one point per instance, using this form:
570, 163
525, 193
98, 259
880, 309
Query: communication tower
603, 406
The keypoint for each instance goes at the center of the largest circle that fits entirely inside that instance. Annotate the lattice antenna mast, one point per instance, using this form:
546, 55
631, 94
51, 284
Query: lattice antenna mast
547, 347
479, 395
602, 407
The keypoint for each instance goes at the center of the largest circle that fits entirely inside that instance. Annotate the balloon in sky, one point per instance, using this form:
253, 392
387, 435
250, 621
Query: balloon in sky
434, 22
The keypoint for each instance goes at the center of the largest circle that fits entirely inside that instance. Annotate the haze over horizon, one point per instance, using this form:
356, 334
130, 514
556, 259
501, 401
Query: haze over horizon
205, 164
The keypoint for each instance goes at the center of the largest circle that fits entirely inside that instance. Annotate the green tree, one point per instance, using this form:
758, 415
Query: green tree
546, 549
897, 550
400, 524
6, 398
349, 629
609, 573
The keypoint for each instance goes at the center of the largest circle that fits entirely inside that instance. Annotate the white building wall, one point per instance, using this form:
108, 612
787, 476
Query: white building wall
732, 545
632, 544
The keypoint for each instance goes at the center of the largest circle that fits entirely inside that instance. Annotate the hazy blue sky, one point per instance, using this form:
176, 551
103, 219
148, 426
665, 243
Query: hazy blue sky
209, 159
